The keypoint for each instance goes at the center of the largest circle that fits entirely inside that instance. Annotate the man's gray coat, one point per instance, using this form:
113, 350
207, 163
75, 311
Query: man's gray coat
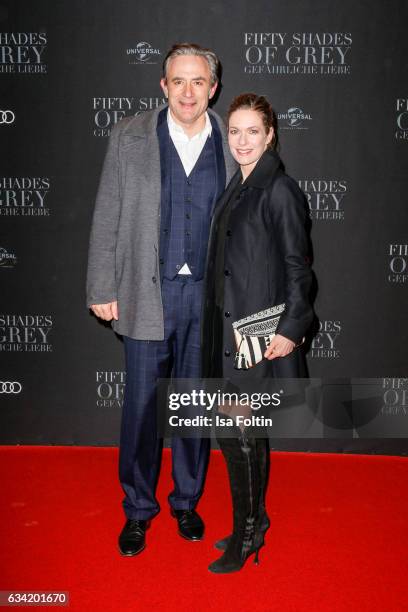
123, 261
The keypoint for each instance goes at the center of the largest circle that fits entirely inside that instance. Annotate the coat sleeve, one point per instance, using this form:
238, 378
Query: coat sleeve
101, 277
288, 210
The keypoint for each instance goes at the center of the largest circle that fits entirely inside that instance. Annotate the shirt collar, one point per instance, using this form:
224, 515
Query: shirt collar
176, 129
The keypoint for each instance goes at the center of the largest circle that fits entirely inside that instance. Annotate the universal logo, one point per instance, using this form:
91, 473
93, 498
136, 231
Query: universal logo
10, 387
110, 388
25, 333
295, 119
395, 396
24, 196
309, 53
325, 341
108, 111
398, 263
23, 52
7, 260
143, 53
325, 198
402, 119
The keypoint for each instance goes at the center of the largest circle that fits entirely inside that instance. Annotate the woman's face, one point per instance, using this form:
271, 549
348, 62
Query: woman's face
247, 138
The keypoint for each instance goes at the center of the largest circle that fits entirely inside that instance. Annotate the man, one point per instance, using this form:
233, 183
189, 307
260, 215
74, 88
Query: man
163, 173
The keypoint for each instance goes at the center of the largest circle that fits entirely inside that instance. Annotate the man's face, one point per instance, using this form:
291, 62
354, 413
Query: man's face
188, 88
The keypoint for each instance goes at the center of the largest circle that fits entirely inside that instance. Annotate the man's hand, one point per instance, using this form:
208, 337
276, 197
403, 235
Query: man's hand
279, 347
107, 312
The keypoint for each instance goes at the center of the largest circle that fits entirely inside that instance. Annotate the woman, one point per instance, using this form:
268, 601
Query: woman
257, 258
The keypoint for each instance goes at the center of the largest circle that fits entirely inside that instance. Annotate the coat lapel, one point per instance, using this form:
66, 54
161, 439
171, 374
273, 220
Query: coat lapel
264, 172
220, 205
220, 175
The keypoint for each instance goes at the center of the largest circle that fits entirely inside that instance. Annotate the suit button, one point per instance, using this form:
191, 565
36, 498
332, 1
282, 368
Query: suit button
229, 233
178, 267
165, 231
227, 314
161, 261
227, 353
154, 279
227, 273
188, 216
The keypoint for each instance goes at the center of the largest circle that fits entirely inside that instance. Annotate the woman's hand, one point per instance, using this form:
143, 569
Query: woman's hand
279, 347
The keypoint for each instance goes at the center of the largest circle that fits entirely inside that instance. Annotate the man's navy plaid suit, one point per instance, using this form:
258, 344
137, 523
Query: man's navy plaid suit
186, 207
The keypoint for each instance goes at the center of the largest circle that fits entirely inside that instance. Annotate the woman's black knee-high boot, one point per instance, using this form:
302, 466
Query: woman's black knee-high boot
262, 520
242, 464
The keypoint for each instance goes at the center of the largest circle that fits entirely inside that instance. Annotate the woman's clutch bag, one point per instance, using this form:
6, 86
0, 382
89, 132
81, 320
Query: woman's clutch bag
253, 335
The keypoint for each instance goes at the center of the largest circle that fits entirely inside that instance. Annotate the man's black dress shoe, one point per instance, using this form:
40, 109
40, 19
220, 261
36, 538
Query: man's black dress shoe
190, 524
132, 538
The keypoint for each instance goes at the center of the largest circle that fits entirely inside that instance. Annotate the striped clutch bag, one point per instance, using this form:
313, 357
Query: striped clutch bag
253, 335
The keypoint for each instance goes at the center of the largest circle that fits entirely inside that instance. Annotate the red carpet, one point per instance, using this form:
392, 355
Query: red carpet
338, 541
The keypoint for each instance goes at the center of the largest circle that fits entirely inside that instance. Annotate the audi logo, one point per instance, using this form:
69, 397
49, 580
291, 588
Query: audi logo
7, 116
10, 387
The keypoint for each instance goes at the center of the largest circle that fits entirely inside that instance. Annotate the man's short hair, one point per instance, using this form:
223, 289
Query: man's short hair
193, 49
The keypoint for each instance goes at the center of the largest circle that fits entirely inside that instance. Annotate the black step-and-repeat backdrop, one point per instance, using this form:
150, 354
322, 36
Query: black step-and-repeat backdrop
336, 74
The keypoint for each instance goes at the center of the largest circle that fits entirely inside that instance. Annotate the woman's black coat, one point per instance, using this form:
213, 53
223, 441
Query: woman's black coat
266, 263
